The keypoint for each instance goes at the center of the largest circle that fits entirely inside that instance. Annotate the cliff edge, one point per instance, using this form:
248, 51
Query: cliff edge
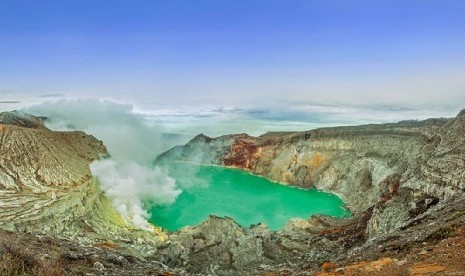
403, 182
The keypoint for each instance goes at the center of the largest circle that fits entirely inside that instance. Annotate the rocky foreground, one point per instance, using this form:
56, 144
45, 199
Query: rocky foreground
403, 182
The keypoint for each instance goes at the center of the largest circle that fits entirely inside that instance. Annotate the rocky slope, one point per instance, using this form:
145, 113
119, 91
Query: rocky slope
46, 188
400, 169
392, 176
40, 170
403, 183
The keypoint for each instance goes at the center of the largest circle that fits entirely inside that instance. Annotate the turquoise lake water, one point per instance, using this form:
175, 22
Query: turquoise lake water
247, 198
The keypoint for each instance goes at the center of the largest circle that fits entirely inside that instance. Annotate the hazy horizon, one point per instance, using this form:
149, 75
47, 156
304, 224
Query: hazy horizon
239, 66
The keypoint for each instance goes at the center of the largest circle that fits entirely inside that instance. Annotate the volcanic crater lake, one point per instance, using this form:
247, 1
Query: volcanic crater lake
247, 198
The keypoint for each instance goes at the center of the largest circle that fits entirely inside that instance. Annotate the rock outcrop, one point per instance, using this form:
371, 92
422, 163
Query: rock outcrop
46, 186
45, 181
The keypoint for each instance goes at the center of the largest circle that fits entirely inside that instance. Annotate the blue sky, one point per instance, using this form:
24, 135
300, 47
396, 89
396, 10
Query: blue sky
262, 55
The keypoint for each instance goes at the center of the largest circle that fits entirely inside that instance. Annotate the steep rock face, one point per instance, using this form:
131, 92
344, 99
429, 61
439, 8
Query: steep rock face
46, 189
46, 185
399, 170
201, 149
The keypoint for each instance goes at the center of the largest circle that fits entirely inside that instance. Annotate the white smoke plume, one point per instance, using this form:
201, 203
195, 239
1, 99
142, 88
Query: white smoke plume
128, 177
129, 185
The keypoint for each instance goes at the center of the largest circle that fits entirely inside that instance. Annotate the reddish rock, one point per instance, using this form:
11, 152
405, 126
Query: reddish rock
427, 269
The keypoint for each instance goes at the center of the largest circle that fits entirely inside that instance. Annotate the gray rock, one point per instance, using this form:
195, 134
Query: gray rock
99, 266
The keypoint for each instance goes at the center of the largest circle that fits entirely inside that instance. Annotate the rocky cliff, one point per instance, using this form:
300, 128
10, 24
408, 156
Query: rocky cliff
403, 179
398, 170
45, 179
46, 189
403, 183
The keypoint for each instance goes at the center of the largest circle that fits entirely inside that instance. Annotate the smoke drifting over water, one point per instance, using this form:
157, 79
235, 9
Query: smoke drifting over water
128, 177
130, 185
